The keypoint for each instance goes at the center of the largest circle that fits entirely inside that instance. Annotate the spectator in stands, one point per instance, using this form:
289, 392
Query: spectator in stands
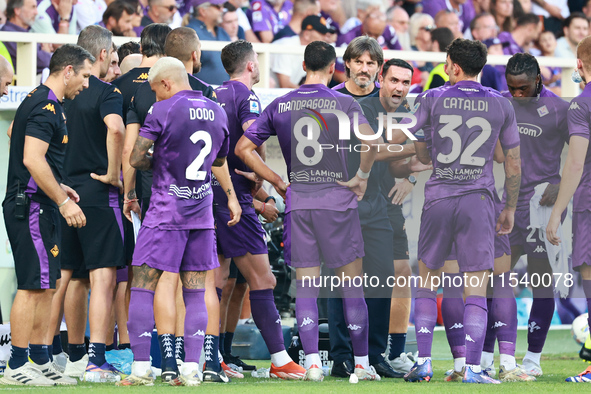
463, 9
288, 68
553, 11
363, 9
420, 26
333, 12
118, 18
440, 39
449, 19
520, 39
136, 19
502, 10
576, 27
398, 18
550, 75
230, 23
267, 17
2, 13
243, 21
21, 16
481, 6
587, 9
494, 76
56, 16
207, 15
88, 12
483, 27
301, 9
159, 11
127, 49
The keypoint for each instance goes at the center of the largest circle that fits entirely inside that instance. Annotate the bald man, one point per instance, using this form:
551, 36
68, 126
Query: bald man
182, 161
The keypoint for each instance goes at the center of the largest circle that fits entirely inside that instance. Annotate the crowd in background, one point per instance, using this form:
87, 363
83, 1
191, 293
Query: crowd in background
542, 28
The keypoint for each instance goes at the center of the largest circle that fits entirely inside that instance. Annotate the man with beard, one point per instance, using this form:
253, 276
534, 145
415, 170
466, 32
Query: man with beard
117, 18
363, 59
183, 44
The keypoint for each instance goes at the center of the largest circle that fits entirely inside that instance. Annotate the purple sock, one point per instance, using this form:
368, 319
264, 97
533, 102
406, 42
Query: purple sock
266, 317
475, 316
141, 322
540, 317
503, 317
219, 293
425, 320
307, 315
355, 310
195, 323
452, 311
587, 289
491, 334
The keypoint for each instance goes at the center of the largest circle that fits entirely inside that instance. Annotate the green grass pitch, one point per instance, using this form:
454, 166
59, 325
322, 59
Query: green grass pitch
559, 361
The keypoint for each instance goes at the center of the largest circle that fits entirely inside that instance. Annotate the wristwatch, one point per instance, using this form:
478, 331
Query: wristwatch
412, 179
64, 19
270, 198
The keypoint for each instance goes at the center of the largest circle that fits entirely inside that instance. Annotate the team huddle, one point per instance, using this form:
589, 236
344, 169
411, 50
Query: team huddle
161, 147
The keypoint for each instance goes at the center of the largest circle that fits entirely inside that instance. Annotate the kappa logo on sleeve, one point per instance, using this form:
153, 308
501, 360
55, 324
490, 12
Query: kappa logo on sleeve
50, 107
574, 105
143, 76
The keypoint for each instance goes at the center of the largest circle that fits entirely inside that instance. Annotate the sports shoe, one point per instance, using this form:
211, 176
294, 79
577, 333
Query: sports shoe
481, 377
169, 374
61, 360
453, 376
401, 364
342, 370
76, 369
489, 369
231, 372
290, 371
25, 375
583, 377
385, 370
211, 376
106, 373
366, 374
141, 375
190, 379
231, 359
516, 374
531, 368
50, 372
419, 373
314, 374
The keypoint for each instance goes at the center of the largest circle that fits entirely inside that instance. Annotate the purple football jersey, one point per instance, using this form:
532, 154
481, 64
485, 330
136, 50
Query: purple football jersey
542, 135
317, 157
241, 105
189, 132
263, 16
465, 14
510, 47
579, 122
463, 123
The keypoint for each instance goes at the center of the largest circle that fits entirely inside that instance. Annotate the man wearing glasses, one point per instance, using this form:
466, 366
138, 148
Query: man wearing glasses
159, 11
207, 15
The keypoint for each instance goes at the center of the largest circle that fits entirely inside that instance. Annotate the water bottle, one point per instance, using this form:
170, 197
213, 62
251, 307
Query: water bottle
260, 373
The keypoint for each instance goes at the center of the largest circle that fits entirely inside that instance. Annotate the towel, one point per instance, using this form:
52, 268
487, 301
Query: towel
558, 255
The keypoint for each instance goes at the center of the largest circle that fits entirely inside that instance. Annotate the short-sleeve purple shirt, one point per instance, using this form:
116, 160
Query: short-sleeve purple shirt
189, 132
579, 124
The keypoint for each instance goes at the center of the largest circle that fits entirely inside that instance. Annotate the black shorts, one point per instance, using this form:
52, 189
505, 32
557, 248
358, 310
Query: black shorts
400, 241
35, 243
99, 244
235, 273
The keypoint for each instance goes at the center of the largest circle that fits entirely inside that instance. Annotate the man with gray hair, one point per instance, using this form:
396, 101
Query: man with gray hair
363, 60
398, 18
21, 15
93, 166
182, 164
159, 11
